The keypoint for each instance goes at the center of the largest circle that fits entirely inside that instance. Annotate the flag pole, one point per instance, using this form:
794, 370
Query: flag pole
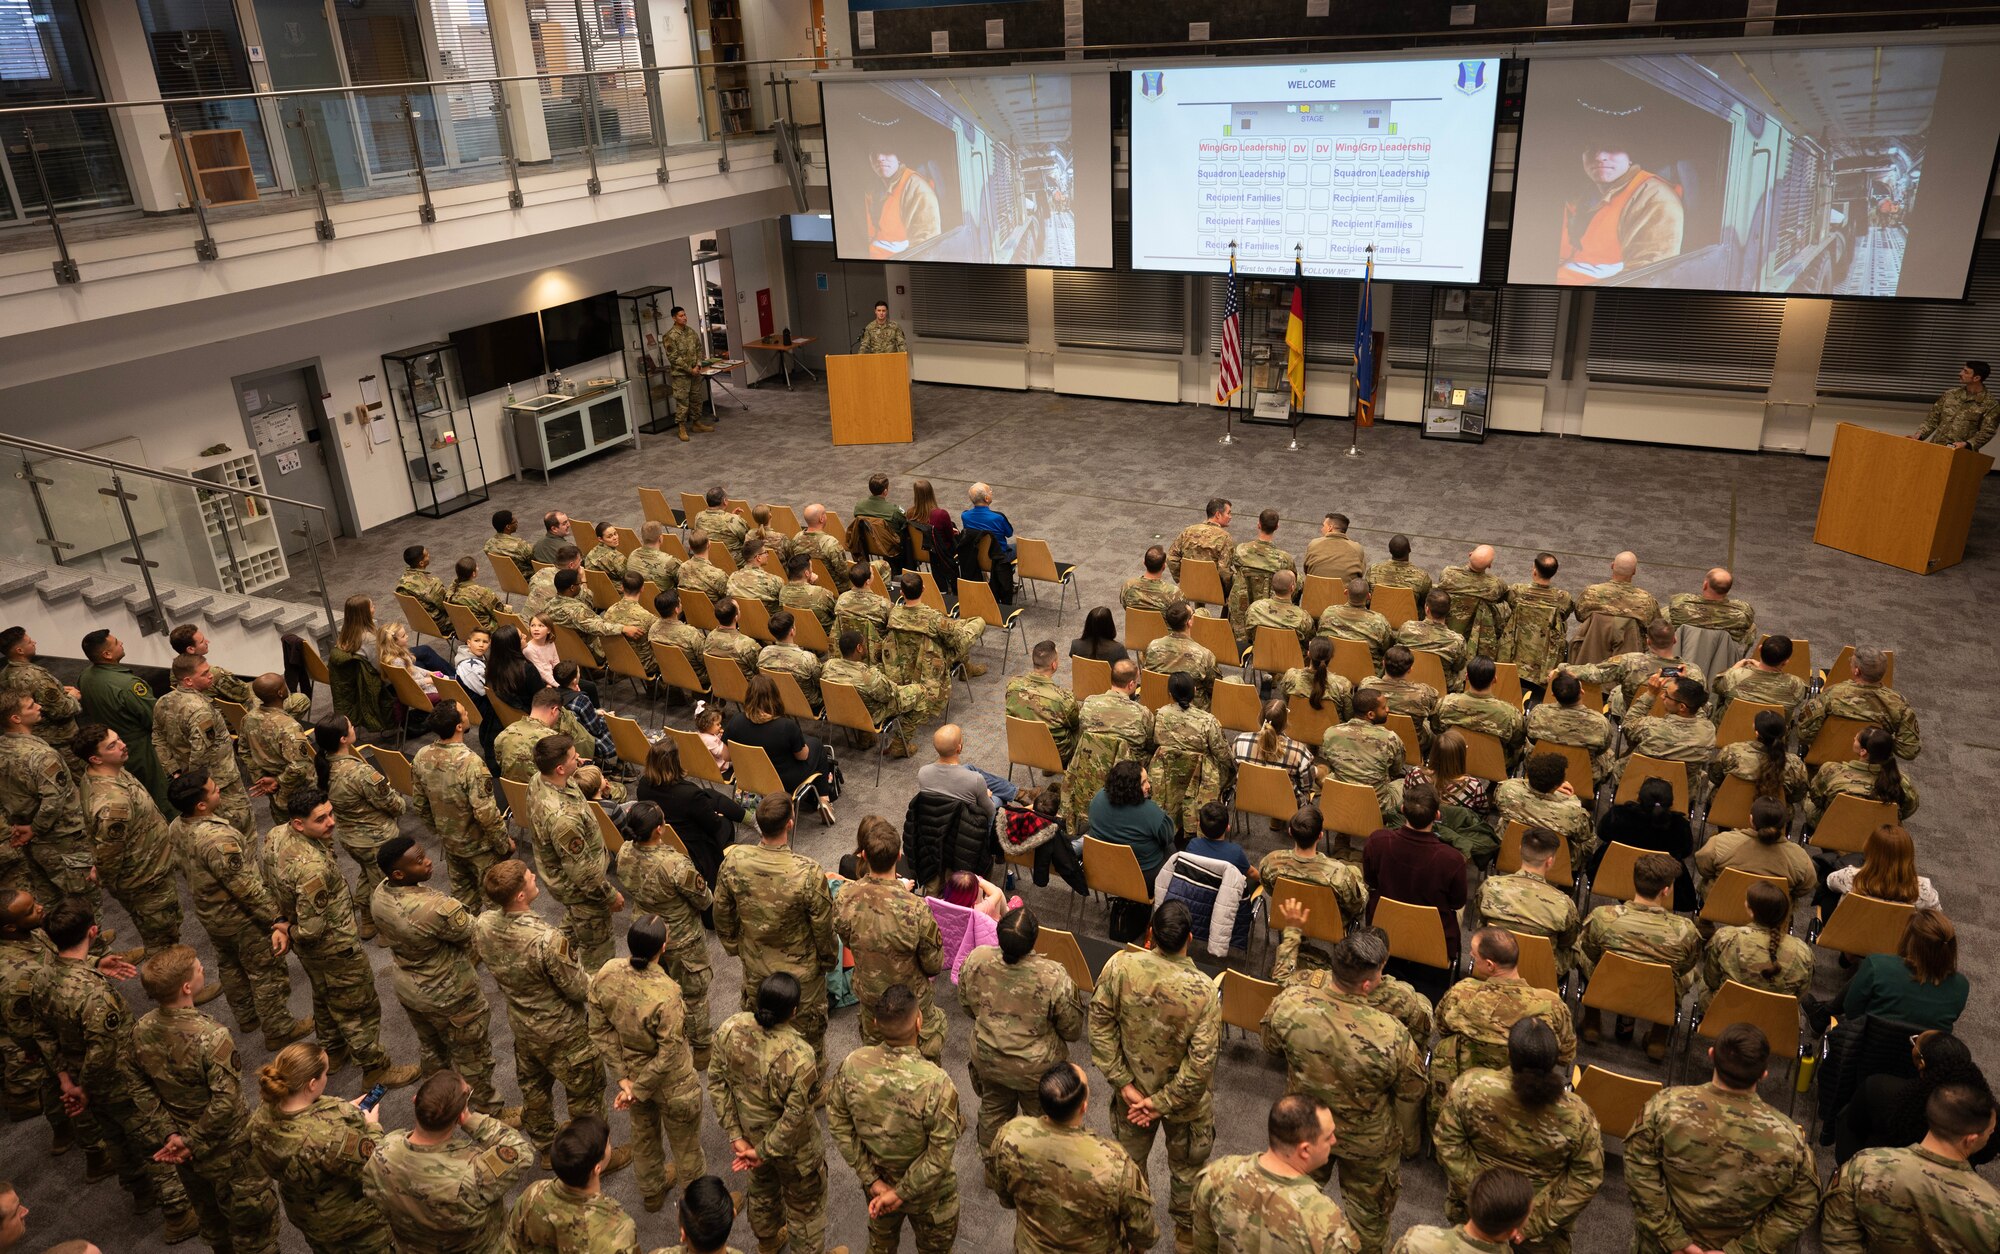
1298, 277
1368, 296
1229, 411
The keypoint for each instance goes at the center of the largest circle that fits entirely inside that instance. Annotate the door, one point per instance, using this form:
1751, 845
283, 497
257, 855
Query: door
283, 408
835, 299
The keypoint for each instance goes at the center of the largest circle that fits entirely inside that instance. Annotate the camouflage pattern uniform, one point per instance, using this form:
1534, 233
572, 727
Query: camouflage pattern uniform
59, 709
1298, 682
545, 992
446, 1199
30, 1085
1691, 609
316, 1157
1535, 637
83, 1029
1394, 574
1413, 698
581, 617
1419, 636
1143, 593
1870, 703
1110, 728
762, 1086
1072, 1191
551, 1218
858, 609
1577, 726
680, 348
1480, 606
1741, 954
895, 940
1207, 542
570, 851
1155, 1022
1021, 1014
1193, 765
1485, 713
542, 589
1568, 817
884, 698
773, 911
191, 1063
923, 647
895, 1117
1620, 600
1746, 680
135, 857
662, 881
1961, 415
483, 601
1720, 1169
513, 549
237, 912
1308, 966
1524, 902
305, 882
1039, 698
1280, 613
514, 750
1744, 759
680, 634
723, 527
1909, 1199
1238, 1205
1351, 622
427, 590
639, 1025
1630, 671
189, 731
1172, 654
1361, 752
1854, 778
1674, 738
626, 613
754, 583
1558, 1147
882, 337
278, 748
731, 643
1473, 1020
1257, 561
36, 791
801, 664
454, 798
1645, 932
430, 937
366, 811
606, 558
656, 566
809, 598
703, 576
1363, 1064
1344, 878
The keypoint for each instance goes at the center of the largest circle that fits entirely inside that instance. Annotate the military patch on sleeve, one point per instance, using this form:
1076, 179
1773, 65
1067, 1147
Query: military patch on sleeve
53, 767
507, 1153
139, 688
367, 1149
573, 845
562, 945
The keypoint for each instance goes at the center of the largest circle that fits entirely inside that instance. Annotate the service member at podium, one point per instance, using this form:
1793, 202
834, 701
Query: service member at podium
1966, 416
882, 335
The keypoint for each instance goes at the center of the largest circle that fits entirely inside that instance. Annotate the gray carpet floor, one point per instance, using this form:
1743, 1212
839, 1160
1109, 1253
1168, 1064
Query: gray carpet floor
1100, 480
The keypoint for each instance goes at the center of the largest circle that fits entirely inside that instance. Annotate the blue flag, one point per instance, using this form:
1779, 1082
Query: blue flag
1364, 350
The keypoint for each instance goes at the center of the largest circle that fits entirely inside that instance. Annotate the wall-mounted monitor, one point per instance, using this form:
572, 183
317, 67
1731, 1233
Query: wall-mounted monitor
580, 331
495, 354
1790, 171
1003, 169
1318, 160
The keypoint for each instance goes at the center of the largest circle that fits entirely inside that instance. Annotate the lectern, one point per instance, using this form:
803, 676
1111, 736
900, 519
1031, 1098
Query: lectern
868, 395
1899, 501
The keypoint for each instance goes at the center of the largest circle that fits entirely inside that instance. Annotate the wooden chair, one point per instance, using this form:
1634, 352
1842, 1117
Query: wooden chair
1485, 756
621, 658
933, 595
1089, 676
1398, 605
721, 558
583, 534
726, 679
507, 575
1405, 728
1842, 669
463, 621
1507, 684
420, 620
1777, 1014
515, 793
1153, 690
1349, 809
696, 761
1428, 668
920, 550
629, 739
1033, 564
1218, 637
1265, 790
1113, 870
1054, 943
450, 689
846, 708
1352, 659
792, 693
628, 541
1639, 768
1201, 582
753, 619
607, 830
507, 714
1727, 903
394, 767
1416, 933
1800, 663
653, 507
768, 559
784, 520
1142, 627
1739, 721
810, 635
672, 840
1236, 707
698, 609
676, 671
603, 593
1835, 741
509, 618
755, 774
1864, 925
1320, 592
1579, 772
1616, 1099
1030, 743
232, 714
1614, 872
1635, 989
1245, 998
1849, 821
976, 598
1729, 804
408, 691
692, 503
675, 547
1538, 961
1305, 724
1508, 860
1275, 650
571, 647
1323, 922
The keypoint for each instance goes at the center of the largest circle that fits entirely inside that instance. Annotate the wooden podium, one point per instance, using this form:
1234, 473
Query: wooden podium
868, 395
1897, 500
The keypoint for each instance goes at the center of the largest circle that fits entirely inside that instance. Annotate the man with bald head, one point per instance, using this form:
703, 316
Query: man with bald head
1356, 621
1613, 613
1481, 601
651, 559
950, 777
1716, 629
1279, 610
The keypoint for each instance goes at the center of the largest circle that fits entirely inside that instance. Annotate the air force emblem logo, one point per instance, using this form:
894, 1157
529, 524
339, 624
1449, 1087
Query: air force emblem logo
1471, 77
1152, 83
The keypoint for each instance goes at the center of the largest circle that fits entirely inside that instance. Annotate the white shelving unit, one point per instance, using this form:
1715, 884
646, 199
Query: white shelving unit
253, 530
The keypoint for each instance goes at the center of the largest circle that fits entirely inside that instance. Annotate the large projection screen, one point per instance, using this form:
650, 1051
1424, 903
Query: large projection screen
1325, 159
1005, 169
1804, 171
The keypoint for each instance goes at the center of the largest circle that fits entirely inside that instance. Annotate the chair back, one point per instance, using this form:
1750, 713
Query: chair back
1578, 772
1729, 804
1427, 667
753, 770
1398, 605
1113, 870
1245, 999
698, 609
696, 761
507, 714
408, 690
1352, 659
507, 575
1276, 650
603, 593
1236, 707
1033, 560
1561, 873
1218, 637
653, 507
463, 621
1639, 768
1507, 683
1416, 933
418, 617
628, 541
515, 793
1089, 676
1635, 989
726, 678
1614, 872
1847, 823
811, 636
1305, 724
232, 715
1323, 922
450, 689
845, 707
571, 648
675, 547
1800, 663
1776, 1013
791, 693
1201, 582
1835, 741
1727, 903
1320, 592
1485, 756
508, 618
693, 503
606, 829
1061, 946
1031, 743
1865, 925
721, 558
629, 739
1739, 721
315, 664
1153, 690
1349, 809
1142, 627
976, 599
623, 659
754, 620
784, 521
394, 767
771, 563
1843, 666
920, 549
583, 535
1405, 728
1616, 1099
676, 671
672, 840
933, 595
1538, 960
1265, 790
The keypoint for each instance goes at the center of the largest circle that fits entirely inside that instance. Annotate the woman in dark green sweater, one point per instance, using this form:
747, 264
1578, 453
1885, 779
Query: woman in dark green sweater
1920, 984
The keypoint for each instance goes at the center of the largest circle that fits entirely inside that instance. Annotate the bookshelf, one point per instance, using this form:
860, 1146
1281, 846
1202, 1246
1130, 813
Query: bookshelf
258, 550
719, 46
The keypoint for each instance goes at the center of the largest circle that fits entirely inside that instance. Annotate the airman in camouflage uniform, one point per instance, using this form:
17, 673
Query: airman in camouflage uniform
316, 1157
1308, 866
924, 647
885, 699
1476, 1014
1155, 1022
802, 665
191, 1063
1743, 953
1525, 902
1035, 695
550, 1217
882, 336
1866, 702
1558, 1147
1413, 698
1363, 1065
1717, 1168
1206, 541
727, 641
1241, 1205
1962, 415
484, 603
1309, 967
1643, 930
1021, 1012
1561, 813
1339, 692
816, 542
1401, 573
1634, 697
447, 1199
1363, 751
1193, 764
1912, 1198
651, 562
236, 910
639, 1024
1753, 682
570, 851
701, 574
1355, 621
1857, 778
367, 812
37, 793
1744, 759
680, 348
1477, 709
1578, 726
677, 633
754, 583
1480, 602
722, 526
60, 702
1148, 592
430, 937
1278, 610
135, 856
774, 912
274, 743
864, 610
606, 556
30, 1086
568, 610
1676, 735
1072, 1190
895, 941
1111, 727
1619, 596
542, 588
801, 595
1431, 635
629, 611
1718, 613
1255, 561
454, 798
508, 546
664, 882
426, 589
189, 731
514, 747
894, 1115
1177, 651
762, 1084
1536, 637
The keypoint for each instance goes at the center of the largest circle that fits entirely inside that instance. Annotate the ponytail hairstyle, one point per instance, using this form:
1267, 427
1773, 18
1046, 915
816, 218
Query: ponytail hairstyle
1272, 730
1878, 748
1319, 656
1180, 687
1768, 820
1533, 1063
645, 939
286, 1076
1656, 802
1771, 910
327, 735
1770, 728
777, 1000
1018, 930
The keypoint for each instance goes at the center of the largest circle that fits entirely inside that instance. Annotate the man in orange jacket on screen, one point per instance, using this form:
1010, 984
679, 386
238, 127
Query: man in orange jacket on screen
902, 209
1632, 217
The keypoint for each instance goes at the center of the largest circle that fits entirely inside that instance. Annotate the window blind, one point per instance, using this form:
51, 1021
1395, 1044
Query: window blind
1122, 310
1527, 330
987, 303
1691, 338
1904, 350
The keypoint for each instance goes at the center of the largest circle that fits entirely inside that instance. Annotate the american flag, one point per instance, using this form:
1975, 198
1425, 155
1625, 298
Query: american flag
1230, 381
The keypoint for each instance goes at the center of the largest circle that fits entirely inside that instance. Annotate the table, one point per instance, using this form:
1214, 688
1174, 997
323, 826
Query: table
787, 353
712, 372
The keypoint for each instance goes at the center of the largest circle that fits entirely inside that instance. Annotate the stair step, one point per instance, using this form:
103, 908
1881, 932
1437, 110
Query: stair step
185, 602
225, 607
15, 579
297, 618
62, 585
258, 613
103, 592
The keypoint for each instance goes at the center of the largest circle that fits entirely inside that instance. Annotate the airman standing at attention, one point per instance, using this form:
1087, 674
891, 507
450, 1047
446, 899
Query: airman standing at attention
454, 798
1297, 962
275, 744
1923, 1196
1272, 1200
1073, 1191
135, 857
570, 850
1152, 590
1356, 621
893, 937
1499, 1203
364, 805
681, 347
665, 882
571, 1214
1400, 572
1536, 638
440, 1184
49, 851
189, 731
30, 1081
1257, 561
61, 703
1208, 540
188, 638
119, 699
1023, 1007
316, 1148
1480, 601
639, 1025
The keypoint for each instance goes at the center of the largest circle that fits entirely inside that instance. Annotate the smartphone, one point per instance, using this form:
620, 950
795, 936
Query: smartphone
373, 1098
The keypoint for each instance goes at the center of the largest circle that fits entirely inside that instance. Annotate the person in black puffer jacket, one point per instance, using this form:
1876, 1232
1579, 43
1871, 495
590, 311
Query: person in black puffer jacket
943, 834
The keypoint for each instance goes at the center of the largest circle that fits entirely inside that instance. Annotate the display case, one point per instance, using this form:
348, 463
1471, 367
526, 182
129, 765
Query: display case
555, 429
648, 315
1458, 369
440, 446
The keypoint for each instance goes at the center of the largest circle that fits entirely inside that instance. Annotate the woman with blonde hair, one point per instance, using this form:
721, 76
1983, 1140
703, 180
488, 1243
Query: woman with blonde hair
1270, 746
394, 642
314, 1148
359, 690
1465, 820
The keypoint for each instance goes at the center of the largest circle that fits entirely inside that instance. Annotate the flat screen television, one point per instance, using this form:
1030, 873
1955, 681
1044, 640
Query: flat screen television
581, 331
495, 354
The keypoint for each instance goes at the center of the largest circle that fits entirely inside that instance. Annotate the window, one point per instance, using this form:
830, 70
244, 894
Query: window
45, 58
1688, 338
607, 42
1123, 310
970, 303
197, 48
1907, 350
